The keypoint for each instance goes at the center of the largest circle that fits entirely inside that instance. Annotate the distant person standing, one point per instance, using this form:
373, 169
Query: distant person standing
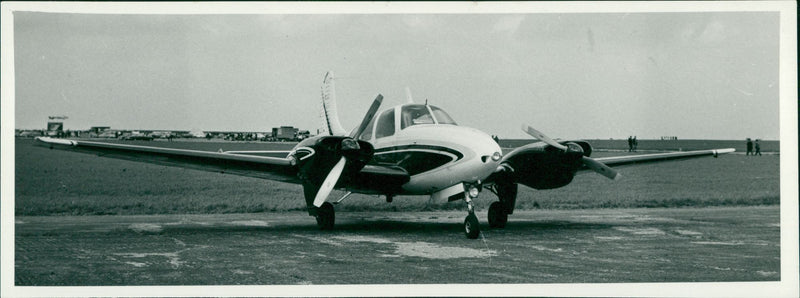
635, 143
758, 149
630, 143
749, 147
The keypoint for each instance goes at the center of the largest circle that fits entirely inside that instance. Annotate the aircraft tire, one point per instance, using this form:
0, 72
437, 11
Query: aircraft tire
497, 215
326, 216
472, 226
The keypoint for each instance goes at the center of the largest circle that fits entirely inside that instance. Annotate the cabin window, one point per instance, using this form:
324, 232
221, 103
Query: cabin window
385, 124
441, 116
414, 115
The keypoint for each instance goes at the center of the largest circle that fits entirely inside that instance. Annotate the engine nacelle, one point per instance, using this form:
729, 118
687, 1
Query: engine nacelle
316, 157
549, 167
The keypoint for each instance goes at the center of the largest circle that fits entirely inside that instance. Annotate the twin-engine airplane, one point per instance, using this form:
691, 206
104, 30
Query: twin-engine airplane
410, 149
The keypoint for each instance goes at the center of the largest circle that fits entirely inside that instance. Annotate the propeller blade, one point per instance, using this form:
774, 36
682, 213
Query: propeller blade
329, 183
540, 136
368, 117
601, 168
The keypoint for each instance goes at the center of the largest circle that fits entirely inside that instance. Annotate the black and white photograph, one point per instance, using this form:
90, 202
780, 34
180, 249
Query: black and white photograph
400, 149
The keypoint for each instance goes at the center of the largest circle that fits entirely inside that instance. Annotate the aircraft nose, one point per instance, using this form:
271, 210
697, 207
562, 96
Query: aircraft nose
495, 156
487, 148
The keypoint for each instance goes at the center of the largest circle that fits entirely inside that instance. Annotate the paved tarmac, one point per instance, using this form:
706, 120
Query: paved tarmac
539, 246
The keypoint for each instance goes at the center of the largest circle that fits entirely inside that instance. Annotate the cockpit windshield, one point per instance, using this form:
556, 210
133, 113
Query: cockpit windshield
420, 114
441, 116
414, 115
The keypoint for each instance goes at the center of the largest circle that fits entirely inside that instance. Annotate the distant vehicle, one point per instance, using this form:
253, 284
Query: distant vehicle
108, 134
303, 134
136, 136
29, 134
284, 133
160, 134
196, 134
411, 149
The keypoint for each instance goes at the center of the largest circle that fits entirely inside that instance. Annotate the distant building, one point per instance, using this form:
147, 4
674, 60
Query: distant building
55, 128
99, 129
284, 133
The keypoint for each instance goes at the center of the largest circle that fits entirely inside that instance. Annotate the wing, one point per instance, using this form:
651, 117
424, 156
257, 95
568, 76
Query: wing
264, 167
617, 161
268, 165
542, 166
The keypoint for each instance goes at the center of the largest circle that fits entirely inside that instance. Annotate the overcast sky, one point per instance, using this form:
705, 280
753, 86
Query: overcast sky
697, 75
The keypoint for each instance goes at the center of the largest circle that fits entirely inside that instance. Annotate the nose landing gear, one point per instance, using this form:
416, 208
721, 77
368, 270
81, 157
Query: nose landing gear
471, 225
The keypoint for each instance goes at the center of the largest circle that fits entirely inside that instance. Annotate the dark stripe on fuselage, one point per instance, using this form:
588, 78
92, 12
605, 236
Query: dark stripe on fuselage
452, 151
416, 159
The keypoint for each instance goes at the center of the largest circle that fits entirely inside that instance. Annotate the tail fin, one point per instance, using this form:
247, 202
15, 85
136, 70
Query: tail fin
408, 96
330, 118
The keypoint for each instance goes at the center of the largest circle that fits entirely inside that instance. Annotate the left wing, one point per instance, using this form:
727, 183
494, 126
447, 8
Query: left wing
264, 167
379, 179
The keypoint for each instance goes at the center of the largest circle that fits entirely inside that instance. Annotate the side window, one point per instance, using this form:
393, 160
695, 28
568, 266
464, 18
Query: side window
385, 126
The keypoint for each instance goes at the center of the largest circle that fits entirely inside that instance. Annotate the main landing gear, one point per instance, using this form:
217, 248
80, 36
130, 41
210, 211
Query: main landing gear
499, 211
326, 216
498, 217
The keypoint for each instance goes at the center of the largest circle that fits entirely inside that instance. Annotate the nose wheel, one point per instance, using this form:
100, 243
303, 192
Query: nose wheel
472, 226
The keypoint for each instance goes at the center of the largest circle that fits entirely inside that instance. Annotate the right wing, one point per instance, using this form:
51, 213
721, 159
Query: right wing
271, 168
542, 166
617, 161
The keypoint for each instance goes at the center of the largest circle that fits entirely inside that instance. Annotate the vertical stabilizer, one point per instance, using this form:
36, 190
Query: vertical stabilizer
409, 99
329, 115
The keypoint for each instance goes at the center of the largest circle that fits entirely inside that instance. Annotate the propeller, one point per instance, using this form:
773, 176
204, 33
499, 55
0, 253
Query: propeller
542, 137
330, 181
596, 166
600, 168
368, 117
348, 145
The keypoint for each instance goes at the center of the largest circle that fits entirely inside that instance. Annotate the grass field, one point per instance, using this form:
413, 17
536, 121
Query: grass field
51, 182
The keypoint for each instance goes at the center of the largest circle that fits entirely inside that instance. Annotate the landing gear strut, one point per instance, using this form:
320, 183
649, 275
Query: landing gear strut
471, 225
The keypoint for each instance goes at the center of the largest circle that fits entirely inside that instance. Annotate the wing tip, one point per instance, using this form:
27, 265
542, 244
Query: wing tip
50, 140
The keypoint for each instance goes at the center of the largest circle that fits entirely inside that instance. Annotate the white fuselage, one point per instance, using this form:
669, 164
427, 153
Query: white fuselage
436, 155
